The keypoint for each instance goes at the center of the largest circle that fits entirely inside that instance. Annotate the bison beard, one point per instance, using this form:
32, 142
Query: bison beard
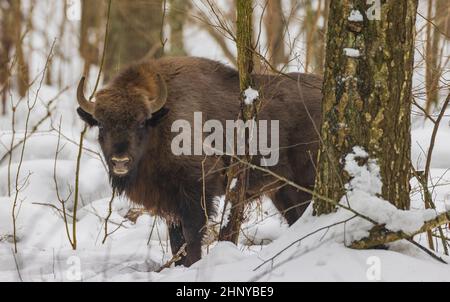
139, 100
120, 184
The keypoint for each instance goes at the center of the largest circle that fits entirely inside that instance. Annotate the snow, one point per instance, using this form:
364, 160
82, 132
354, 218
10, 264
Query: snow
233, 183
355, 16
128, 254
421, 140
45, 254
321, 256
352, 52
250, 95
223, 216
363, 191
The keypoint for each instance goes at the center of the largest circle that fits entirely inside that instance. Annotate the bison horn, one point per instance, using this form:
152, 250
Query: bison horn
82, 101
158, 103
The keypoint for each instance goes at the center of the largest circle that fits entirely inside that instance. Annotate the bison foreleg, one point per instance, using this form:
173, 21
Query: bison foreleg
176, 241
193, 225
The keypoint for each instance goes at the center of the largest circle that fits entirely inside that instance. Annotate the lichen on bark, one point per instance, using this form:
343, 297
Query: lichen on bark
367, 98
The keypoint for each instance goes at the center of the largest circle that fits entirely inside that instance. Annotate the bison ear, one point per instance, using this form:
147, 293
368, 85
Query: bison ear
87, 117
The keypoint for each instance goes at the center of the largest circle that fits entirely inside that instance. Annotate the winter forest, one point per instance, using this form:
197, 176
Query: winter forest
343, 173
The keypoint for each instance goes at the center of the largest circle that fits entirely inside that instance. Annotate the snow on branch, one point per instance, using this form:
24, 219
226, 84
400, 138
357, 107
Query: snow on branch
379, 235
363, 196
250, 95
352, 52
355, 16
392, 224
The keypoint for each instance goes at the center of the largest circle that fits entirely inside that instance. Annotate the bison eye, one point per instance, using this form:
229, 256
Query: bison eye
142, 125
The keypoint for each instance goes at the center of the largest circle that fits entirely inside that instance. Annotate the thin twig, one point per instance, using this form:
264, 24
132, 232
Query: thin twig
108, 216
181, 252
17, 266
22, 153
303, 238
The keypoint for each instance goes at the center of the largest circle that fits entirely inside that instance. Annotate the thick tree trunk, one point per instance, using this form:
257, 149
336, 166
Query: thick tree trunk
135, 33
235, 195
367, 97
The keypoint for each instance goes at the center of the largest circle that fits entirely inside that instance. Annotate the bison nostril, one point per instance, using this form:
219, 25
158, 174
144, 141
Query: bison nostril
121, 160
120, 165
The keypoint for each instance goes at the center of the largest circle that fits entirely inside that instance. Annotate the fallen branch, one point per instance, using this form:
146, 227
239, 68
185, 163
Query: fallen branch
429, 252
379, 235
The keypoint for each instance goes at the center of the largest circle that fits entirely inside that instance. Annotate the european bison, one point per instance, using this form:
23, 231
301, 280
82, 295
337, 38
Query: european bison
135, 113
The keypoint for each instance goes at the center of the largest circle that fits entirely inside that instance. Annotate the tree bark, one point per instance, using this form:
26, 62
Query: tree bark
437, 13
91, 32
275, 26
6, 44
177, 19
315, 34
135, 33
23, 80
367, 97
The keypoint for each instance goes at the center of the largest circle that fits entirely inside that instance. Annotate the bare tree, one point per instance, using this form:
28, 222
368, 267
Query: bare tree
177, 19
275, 25
6, 45
313, 26
219, 24
91, 32
237, 174
437, 26
22, 65
135, 32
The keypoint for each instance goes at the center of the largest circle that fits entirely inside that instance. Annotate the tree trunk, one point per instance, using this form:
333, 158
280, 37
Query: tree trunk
437, 13
275, 26
235, 195
91, 32
177, 19
135, 33
6, 44
367, 97
23, 80
315, 34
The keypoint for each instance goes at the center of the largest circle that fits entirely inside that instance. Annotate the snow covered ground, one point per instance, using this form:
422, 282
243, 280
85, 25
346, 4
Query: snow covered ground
136, 249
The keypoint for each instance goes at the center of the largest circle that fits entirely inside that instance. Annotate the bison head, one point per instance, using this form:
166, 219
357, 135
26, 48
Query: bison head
123, 115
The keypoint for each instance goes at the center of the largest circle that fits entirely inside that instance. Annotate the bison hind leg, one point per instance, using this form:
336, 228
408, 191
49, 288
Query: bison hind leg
291, 203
